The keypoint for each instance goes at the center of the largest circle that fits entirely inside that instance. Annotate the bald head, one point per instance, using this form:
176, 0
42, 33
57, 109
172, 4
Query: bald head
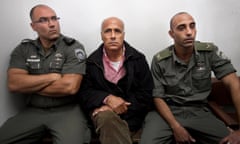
172, 21
36, 7
112, 20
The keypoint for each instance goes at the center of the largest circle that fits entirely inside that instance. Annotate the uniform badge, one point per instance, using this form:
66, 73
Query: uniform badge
201, 66
80, 54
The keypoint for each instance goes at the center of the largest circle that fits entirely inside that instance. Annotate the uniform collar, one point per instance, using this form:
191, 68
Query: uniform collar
195, 55
38, 44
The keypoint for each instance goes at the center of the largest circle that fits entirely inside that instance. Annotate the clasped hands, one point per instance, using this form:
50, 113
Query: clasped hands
113, 103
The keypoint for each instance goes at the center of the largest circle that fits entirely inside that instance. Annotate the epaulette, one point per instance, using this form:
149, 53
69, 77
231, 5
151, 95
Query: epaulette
204, 46
69, 41
163, 54
26, 41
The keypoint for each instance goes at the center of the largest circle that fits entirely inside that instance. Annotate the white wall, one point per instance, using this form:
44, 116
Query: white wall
146, 21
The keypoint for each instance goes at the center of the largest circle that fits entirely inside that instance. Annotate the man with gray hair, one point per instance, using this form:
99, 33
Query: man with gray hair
117, 89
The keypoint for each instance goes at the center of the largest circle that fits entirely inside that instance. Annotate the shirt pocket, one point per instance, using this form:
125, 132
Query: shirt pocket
34, 65
56, 65
201, 80
170, 79
171, 83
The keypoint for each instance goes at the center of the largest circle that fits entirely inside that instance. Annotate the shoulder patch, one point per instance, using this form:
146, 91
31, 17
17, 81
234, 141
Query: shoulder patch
80, 54
26, 41
68, 41
200, 46
163, 54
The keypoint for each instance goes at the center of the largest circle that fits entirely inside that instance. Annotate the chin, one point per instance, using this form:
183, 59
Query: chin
54, 37
189, 45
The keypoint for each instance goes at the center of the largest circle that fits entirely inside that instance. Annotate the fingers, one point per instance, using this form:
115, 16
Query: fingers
103, 108
182, 136
118, 104
224, 141
122, 108
192, 139
127, 103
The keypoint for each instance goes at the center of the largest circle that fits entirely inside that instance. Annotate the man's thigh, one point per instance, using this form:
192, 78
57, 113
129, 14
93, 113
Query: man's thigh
156, 130
68, 125
26, 127
205, 126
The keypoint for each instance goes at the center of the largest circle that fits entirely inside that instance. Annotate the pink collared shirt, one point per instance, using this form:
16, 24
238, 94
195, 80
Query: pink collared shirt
113, 71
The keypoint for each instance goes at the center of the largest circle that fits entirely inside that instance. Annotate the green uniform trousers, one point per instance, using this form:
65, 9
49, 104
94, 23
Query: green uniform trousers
202, 125
67, 125
111, 128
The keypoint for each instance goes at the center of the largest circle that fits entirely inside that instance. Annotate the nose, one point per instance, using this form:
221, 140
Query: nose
113, 34
51, 23
189, 31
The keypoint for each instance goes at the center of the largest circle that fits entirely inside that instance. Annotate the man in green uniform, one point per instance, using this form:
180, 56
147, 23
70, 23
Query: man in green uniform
182, 78
49, 71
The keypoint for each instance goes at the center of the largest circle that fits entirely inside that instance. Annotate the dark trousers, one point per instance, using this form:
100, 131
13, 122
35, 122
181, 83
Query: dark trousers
199, 121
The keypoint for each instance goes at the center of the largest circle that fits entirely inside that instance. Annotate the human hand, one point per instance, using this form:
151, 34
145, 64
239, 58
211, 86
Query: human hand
182, 136
55, 76
232, 138
118, 105
102, 108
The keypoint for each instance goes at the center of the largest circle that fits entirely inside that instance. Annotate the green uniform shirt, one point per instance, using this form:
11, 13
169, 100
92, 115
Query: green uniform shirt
188, 83
66, 56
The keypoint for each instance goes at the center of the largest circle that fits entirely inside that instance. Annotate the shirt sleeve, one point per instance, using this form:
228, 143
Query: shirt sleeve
75, 59
158, 90
221, 64
17, 58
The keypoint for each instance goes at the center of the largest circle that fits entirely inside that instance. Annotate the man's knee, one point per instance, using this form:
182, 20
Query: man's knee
106, 117
109, 120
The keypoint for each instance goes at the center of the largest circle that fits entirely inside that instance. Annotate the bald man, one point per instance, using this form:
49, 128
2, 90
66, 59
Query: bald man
117, 90
182, 84
48, 71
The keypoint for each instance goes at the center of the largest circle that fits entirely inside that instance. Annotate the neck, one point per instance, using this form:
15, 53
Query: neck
115, 55
184, 53
47, 44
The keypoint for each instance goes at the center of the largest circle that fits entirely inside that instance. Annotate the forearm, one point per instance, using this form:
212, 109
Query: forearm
69, 84
22, 82
232, 82
236, 101
165, 112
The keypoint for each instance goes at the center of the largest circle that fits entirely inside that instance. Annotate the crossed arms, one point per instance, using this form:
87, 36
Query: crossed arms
51, 84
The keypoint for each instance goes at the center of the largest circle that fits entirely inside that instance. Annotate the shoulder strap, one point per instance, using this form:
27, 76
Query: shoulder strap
164, 54
204, 46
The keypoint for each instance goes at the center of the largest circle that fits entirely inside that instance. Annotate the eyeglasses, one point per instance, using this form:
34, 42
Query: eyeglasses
44, 20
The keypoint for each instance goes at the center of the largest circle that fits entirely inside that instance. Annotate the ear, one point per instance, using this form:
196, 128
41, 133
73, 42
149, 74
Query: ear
124, 34
171, 33
33, 26
102, 36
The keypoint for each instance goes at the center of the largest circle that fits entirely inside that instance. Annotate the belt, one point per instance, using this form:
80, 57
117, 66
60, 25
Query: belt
173, 103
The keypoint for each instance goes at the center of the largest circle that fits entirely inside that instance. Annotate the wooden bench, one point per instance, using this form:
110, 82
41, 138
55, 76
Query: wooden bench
221, 104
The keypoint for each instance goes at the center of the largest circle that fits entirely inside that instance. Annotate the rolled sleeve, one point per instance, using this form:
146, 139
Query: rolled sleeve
221, 65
